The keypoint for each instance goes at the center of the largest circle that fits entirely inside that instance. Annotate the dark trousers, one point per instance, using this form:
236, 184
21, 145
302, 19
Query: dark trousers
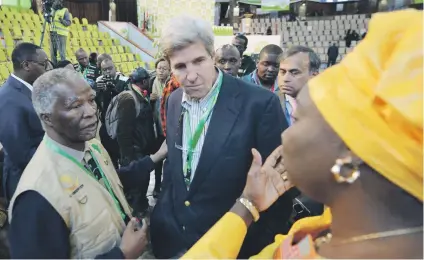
331, 61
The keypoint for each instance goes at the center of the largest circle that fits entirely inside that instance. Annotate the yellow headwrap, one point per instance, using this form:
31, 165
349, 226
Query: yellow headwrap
374, 98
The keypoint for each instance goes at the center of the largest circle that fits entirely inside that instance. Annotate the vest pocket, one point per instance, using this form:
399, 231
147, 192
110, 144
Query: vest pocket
95, 237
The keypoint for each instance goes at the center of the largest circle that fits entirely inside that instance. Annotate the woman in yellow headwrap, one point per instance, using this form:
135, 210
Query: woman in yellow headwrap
356, 146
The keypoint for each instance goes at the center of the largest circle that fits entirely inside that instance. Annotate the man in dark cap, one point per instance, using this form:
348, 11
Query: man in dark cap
134, 131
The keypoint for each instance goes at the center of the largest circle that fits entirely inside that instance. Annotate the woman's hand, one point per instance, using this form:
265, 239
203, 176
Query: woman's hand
265, 184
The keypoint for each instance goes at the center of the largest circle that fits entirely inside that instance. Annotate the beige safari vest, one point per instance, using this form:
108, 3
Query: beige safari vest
86, 207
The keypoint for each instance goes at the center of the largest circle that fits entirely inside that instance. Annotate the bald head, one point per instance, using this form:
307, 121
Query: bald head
270, 49
227, 58
268, 63
82, 57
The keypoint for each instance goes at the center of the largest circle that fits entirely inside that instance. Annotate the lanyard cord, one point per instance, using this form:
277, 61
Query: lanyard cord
58, 150
193, 138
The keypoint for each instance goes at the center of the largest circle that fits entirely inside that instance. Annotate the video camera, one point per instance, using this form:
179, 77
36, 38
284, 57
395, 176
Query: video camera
47, 9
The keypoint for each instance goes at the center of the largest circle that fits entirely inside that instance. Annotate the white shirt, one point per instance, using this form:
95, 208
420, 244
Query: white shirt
196, 109
77, 155
29, 86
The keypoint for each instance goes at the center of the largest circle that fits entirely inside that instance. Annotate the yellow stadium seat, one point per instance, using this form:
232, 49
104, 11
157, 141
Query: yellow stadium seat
95, 34
116, 58
108, 50
10, 66
4, 72
89, 42
9, 51
76, 20
120, 49
9, 42
101, 50
114, 49
81, 34
87, 34
84, 21
124, 68
123, 57
138, 57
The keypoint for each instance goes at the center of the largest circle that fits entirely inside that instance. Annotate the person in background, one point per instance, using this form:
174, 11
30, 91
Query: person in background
84, 67
59, 33
227, 59
170, 87
352, 176
135, 132
108, 86
298, 65
92, 59
266, 73
159, 82
66, 64
269, 31
247, 63
20, 128
332, 54
70, 201
100, 59
213, 121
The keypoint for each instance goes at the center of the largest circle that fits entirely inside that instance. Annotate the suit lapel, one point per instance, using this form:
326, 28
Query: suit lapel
222, 121
176, 138
11, 81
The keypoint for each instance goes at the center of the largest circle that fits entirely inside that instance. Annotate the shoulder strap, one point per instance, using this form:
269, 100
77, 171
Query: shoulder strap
137, 102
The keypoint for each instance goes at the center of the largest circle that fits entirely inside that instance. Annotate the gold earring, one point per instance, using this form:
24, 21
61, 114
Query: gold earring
337, 167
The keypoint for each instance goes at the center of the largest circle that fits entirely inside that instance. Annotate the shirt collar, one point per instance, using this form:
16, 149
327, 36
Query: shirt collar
256, 81
29, 86
186, 101
77, 155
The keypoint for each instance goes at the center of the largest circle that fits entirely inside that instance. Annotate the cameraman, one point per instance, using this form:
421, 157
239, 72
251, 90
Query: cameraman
110, 84
59, 32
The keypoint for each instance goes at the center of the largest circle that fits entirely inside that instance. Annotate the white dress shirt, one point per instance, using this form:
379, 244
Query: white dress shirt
29, 86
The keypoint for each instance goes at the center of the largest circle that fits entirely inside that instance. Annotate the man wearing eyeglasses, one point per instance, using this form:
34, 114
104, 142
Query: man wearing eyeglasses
20, 128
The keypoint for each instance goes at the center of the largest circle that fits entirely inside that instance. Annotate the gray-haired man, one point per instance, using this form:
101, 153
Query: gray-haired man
213, 122
297, 66
70, 200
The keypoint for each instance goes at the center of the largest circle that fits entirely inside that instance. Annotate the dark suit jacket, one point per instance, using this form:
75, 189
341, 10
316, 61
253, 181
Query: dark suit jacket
245, 117
20, 132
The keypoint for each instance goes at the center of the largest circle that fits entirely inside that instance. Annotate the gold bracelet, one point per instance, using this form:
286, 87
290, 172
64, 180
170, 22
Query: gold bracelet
249, 206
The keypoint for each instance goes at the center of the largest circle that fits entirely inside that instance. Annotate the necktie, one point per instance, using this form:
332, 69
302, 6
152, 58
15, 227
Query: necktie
91, 165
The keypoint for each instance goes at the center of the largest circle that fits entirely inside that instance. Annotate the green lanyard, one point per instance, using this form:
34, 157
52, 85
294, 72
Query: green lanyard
58, 150
84, 73
193, 139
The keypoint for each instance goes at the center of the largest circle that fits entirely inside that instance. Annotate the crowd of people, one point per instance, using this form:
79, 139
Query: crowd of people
273, 159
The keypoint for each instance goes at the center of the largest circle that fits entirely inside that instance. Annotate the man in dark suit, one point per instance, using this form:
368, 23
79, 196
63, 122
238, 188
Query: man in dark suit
213, 122
20, 129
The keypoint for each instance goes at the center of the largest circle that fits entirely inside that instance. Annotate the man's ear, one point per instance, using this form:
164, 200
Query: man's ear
46, 119
25, 66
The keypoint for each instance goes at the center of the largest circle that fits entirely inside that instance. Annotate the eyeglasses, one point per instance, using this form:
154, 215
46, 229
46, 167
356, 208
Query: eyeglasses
48, 65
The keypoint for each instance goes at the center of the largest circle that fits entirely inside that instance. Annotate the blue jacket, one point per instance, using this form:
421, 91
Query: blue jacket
20, 132
244, 117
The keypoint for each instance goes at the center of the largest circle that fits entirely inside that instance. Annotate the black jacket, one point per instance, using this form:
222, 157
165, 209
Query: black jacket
247, 66
244, 117
105, 94
135, 134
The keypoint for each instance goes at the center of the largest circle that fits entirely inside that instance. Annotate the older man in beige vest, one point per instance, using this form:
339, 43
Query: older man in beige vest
70, 201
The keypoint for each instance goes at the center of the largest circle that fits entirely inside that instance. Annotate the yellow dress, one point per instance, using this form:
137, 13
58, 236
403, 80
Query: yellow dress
226, 237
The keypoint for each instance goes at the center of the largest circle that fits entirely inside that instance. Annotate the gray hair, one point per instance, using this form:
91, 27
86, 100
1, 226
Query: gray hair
44, 95
183, 31
314, 60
